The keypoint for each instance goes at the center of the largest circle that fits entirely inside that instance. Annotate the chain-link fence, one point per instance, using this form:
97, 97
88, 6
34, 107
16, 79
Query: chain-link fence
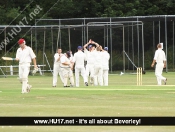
137, 36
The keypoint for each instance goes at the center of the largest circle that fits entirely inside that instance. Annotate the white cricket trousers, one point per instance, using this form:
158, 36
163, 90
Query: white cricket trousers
56, 71
78, 70
158, 73
105, 77
90, 70
98, 71
67, 73
24, 69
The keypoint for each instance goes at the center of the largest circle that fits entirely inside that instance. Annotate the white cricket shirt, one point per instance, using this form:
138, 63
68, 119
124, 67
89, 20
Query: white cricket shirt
25, 55
56, 57
79, 58
90, 56
159, 56
98, 58
105, 60
64, 59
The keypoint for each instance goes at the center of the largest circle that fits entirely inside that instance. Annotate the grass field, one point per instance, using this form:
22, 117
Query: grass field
121, 98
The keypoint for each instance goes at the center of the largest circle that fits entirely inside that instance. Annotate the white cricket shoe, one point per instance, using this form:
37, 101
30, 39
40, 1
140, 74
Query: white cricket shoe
28, 88
86, 83
165, 81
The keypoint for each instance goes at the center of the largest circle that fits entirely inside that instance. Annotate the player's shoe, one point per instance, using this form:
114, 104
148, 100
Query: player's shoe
165, 81
86, 83
66, 86
28, 88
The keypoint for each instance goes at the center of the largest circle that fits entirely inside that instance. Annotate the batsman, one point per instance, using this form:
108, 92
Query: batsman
24, 55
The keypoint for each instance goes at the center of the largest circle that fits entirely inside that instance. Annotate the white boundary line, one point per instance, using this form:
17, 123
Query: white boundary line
158, 85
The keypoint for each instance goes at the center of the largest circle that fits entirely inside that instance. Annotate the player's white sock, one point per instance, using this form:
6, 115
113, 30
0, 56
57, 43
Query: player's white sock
24, 86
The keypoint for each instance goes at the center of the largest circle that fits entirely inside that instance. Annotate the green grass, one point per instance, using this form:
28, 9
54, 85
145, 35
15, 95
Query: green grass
121, 98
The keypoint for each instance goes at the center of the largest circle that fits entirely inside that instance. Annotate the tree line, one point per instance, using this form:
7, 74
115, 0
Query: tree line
10, 9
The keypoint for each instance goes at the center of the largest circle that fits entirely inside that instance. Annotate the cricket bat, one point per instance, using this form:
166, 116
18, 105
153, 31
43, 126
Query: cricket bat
8, 58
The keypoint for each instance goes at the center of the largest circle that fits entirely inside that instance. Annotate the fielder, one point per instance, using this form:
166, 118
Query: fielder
160, 59
66, 68
90, 56
98, 67
79, 59
24, 55
105, 63
56, 67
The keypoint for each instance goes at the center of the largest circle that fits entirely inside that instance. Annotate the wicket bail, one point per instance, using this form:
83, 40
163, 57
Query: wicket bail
139, 76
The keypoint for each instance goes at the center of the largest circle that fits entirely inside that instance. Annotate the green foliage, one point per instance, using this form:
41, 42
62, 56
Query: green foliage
84, 8
14, 11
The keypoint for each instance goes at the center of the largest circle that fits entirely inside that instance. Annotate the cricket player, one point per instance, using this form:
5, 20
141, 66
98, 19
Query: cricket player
98, 67
79, 59
24, 55
105, 63
90, 60
160, 59
66, 68
56, 67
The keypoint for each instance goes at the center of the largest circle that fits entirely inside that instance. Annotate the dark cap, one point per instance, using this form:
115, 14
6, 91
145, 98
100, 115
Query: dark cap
68, 54
89, 46
79, 47
106, 48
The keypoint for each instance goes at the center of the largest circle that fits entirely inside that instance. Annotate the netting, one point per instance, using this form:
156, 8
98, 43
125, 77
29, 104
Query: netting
137, 36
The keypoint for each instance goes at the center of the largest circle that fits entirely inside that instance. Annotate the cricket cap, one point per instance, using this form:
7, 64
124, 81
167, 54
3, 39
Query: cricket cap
21, 41
106, 48
89, 46
68, 54
79, 47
